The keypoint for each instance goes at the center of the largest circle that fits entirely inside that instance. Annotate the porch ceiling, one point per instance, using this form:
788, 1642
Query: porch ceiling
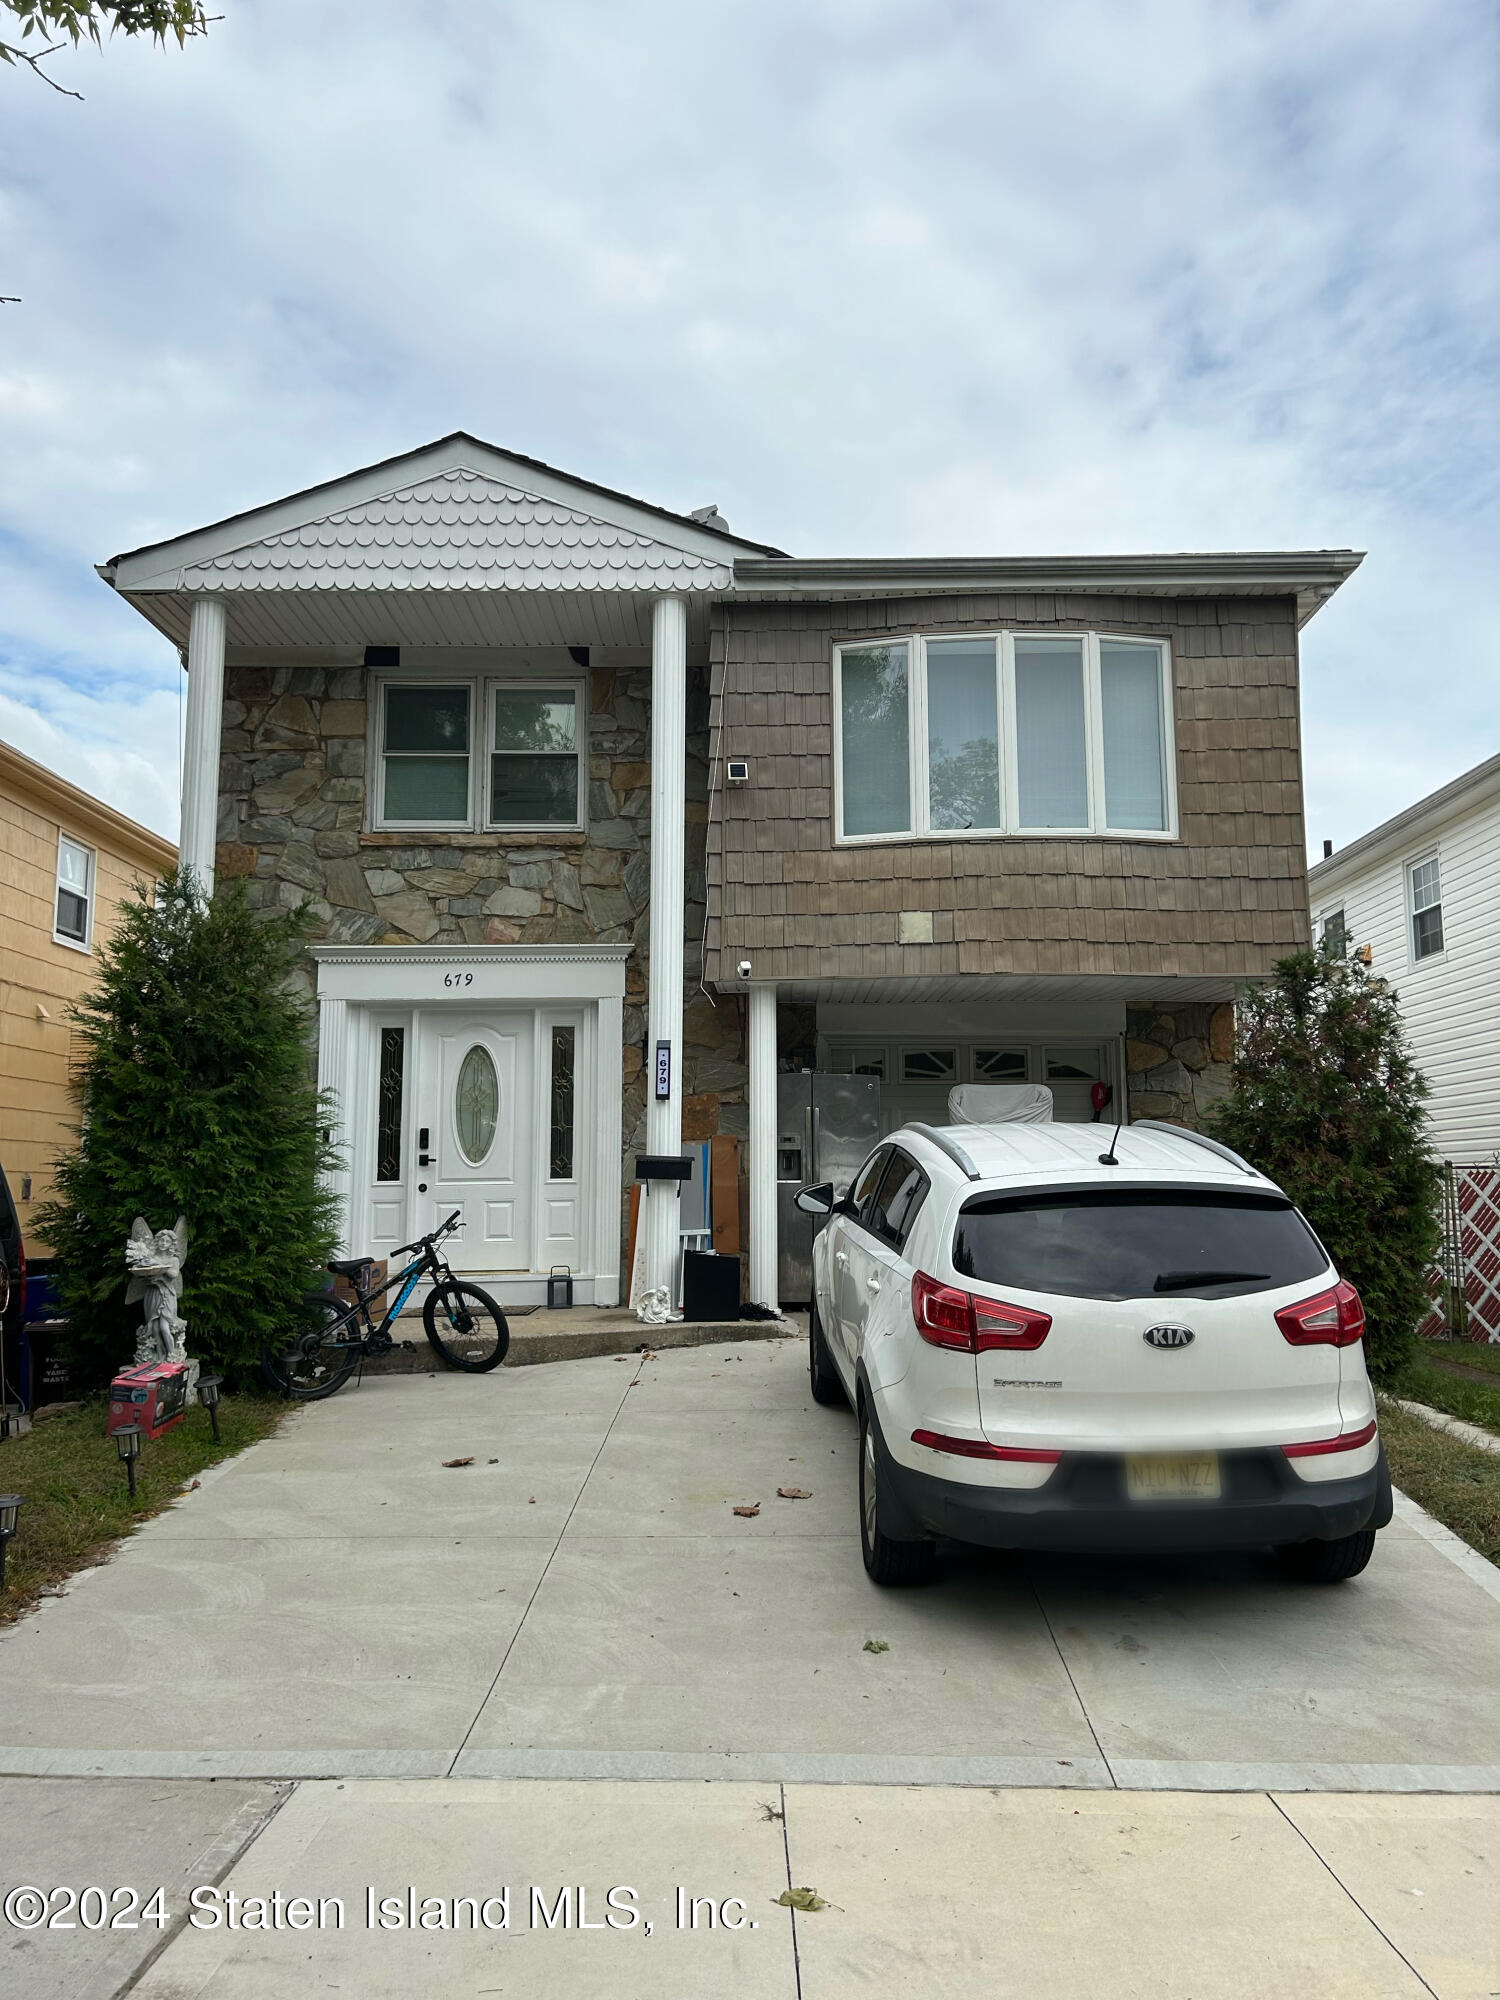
352, 619
1009, 989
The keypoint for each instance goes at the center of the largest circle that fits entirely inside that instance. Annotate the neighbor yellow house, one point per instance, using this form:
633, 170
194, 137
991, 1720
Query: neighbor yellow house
66, 863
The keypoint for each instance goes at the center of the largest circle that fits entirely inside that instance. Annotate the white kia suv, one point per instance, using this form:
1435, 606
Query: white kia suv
1052, 1341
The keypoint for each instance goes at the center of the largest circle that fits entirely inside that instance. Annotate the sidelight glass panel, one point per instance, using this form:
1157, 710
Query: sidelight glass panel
963, 736
563, 1050
390, 1092
476, 1104
875, 774
1051, 755
426, 754
1130, 693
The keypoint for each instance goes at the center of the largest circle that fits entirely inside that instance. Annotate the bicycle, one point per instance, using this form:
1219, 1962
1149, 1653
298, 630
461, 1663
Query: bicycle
464, 1325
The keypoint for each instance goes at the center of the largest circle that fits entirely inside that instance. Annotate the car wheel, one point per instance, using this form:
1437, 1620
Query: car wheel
887, 1561
1328, 1562
826, 1386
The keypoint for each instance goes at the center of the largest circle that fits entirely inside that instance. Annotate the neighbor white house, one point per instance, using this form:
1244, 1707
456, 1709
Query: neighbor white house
1422, 890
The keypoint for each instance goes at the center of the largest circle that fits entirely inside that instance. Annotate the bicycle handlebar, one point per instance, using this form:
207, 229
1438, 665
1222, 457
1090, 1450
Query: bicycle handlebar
442, 1229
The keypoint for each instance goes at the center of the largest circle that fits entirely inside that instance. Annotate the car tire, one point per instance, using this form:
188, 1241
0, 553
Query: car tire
824, 1377
886, 1561
1328, 1562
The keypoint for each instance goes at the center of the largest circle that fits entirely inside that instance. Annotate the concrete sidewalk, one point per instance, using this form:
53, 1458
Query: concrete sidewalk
1039, 1895
582, 1601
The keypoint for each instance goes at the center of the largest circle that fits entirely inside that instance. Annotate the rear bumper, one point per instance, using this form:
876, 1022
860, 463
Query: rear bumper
1084, 1506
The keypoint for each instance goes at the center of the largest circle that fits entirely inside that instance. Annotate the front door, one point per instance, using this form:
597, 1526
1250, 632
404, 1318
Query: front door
476, 1136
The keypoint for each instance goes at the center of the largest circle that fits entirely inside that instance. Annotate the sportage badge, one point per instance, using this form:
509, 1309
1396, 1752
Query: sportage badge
1169, 1336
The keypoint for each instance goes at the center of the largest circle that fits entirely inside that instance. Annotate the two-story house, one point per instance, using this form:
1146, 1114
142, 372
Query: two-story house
1422, 892
607, 812
66, 864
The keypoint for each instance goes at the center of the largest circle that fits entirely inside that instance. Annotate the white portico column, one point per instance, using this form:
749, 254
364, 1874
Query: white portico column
660, 1199
763, 1145
200, 746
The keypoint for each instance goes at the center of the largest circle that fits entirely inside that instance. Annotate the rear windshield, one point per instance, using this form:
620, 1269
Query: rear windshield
1133, 1243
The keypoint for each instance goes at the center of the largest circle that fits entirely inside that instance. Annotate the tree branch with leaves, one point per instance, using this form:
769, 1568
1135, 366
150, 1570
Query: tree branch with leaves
49, 26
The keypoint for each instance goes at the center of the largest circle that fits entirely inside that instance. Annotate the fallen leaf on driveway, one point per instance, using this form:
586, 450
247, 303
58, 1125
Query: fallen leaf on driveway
877, 1646
803, 1899
792, 1493
458, 1461
748, 1513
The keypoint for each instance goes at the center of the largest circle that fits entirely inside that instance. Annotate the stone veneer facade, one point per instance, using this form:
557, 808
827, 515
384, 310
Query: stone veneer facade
1178, 1060
292, 822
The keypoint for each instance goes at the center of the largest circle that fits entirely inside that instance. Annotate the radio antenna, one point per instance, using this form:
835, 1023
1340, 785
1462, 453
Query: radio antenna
1108, 1159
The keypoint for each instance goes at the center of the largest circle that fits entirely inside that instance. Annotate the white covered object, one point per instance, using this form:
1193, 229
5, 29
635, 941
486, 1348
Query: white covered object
1000, 1104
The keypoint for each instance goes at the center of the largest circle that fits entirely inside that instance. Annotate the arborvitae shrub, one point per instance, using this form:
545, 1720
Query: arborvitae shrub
197, 1099
1327, 1101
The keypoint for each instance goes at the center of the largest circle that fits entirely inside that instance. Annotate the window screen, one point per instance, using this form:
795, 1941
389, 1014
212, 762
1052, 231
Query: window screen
534, 756
875, 739
1051, 753
426, 754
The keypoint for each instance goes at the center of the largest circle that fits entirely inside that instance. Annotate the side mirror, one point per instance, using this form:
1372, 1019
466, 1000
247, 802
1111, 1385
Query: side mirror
816, 1200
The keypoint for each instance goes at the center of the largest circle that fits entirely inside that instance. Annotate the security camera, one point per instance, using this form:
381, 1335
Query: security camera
744, 968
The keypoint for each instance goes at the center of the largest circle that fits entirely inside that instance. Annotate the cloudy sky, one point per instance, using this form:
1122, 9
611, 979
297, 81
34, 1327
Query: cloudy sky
876, 276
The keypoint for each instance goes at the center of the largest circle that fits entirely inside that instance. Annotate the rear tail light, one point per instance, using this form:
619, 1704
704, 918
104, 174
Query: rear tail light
1348, 1441
1332, 1319
949, 1317
977, 1448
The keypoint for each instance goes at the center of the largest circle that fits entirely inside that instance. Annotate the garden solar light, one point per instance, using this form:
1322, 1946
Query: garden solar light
128, 1445
208, 1395
9, 1502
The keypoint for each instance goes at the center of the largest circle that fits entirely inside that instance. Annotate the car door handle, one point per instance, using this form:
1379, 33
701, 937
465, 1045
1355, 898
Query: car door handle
873, 1284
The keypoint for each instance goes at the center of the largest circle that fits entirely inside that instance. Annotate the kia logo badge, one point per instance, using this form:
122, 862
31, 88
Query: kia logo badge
1168, 1336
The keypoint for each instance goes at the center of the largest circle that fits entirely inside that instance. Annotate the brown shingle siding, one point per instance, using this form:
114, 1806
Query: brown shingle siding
1225, 899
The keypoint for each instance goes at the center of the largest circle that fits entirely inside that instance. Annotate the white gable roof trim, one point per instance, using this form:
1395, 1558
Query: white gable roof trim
459, 531
1462, 794
456, 495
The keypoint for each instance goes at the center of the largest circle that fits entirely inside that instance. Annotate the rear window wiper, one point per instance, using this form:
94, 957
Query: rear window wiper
1179, 1281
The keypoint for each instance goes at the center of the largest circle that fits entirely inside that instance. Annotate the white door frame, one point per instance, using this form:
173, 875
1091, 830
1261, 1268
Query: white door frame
357, 982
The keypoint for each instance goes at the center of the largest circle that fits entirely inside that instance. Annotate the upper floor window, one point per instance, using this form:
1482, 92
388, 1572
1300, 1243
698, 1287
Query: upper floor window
73, 914
1425, 895
1333, 934
528, 776
1011, 732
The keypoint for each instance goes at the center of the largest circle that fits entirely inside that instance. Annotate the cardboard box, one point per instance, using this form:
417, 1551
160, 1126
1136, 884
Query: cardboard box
153, 1396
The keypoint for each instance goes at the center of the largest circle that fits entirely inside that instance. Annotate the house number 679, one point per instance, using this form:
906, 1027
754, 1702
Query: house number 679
458, 979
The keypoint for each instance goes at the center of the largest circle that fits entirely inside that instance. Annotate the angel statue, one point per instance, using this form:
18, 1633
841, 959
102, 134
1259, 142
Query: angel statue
155, 1265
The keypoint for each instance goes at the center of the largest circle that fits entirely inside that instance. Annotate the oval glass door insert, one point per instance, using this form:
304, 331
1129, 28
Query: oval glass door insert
476, 1104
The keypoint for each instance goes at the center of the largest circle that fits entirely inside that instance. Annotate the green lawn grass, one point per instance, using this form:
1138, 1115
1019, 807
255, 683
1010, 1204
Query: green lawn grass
1456, 1482
1468, 1353
1426, 1381
77, 1500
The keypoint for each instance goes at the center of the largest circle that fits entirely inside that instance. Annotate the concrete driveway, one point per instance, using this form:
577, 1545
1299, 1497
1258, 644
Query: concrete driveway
582, 1602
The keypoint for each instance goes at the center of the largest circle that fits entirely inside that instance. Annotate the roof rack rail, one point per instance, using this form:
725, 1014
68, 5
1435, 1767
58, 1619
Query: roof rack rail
945, 1143
1194, 1138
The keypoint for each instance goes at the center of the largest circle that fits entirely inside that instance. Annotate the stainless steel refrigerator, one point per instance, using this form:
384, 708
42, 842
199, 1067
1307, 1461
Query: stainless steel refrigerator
825, 1129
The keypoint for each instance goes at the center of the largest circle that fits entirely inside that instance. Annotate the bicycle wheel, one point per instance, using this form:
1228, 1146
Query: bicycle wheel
465, 1327
319, 1354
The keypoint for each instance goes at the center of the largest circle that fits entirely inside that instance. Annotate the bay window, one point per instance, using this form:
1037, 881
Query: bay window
478, 755
1004, 733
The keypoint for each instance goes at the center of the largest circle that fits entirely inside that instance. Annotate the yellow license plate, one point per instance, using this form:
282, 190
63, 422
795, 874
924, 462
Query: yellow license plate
1173, 1476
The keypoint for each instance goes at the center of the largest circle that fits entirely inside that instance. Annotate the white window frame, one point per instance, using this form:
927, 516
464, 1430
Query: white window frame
577, 685
379, 684
1010, 827
90, 876
1410, 869
482, 690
